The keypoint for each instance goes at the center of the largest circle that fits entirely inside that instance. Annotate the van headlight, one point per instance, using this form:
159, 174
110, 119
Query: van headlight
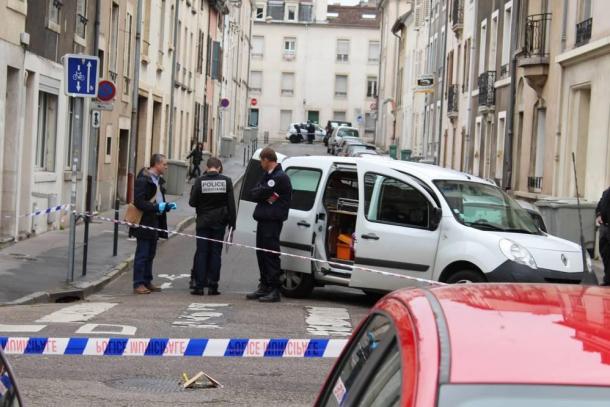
517, 253
589, 261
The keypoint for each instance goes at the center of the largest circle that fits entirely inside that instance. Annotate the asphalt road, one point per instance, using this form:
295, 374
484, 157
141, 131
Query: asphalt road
131, 381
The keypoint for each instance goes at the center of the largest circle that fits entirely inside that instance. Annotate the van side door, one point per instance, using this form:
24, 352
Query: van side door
397, 229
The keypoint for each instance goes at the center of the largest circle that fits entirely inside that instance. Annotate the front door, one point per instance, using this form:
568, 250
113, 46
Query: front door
395, 230
313, 116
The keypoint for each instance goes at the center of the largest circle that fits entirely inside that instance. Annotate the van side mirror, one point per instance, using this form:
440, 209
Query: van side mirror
436, 215
9, 394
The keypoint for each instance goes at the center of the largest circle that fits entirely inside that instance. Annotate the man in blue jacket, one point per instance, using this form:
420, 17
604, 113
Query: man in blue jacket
272, 194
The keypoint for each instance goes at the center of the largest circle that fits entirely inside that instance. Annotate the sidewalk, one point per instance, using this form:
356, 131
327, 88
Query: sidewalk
35, 269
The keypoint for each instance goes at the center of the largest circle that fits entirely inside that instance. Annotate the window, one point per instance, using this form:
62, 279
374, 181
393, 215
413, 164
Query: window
285, 120
216, 72
342, 50
81, 18
374, 49
47, 131
506, 32
54, 12
388, 200
275, 9
291, 13
200, 46
256, 81
493, 42
371, 86
369, 123
161, 32
466, 70
253, 118
305, 12
369, 16
376, 342
584, 10
287, 84
127, 53
339, 116
332, 14
341, 86
258, 46
147, 22
260, 12
482, 46
114, 40
290, 46
304, 187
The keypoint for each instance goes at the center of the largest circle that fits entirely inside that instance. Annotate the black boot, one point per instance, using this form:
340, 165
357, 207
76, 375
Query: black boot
261, 291
273, 296
213, 290
197, 291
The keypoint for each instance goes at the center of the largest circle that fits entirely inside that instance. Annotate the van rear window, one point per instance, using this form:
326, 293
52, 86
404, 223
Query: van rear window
254, 173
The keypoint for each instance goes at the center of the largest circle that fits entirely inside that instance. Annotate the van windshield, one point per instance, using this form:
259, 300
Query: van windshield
347, 133
485, 207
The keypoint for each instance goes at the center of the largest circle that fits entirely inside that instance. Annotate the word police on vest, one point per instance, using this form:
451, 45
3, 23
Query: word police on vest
214, 187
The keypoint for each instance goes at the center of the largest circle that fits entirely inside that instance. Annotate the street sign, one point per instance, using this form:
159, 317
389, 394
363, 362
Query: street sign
425, 84
253, 102
81, 72
102, 106
106, 91
360, 119
224, 102
96, 118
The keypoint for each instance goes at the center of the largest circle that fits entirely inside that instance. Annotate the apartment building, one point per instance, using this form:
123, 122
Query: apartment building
312, 61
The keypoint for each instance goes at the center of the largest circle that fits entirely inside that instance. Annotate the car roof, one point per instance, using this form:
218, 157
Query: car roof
523, 333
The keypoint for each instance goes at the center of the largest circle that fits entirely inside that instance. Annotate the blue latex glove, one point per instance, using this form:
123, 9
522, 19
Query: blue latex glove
161, 207
171, 205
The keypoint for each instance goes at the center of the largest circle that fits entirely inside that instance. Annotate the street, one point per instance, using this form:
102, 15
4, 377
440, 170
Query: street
112, 381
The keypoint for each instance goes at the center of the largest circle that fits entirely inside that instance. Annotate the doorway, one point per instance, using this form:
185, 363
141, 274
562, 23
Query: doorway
157, 146
123, 163
313, 116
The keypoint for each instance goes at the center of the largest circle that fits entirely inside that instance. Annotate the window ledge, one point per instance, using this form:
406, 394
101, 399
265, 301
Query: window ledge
44, 176
125, 98
590, 50
54, 27
80, 41
20, 7
68, 175
144, 58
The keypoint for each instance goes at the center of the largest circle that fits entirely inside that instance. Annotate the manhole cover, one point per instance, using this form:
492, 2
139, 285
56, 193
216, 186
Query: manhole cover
147, 385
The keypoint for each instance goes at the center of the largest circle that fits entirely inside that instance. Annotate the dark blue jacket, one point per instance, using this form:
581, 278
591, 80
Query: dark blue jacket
279, 183
144, 190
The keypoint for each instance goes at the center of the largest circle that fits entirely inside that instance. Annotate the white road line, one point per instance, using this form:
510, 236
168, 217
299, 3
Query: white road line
328, 321
199, 315
107, 329
21, 328
77, 313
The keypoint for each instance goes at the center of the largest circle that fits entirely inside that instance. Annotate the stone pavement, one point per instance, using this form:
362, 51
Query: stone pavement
35, 269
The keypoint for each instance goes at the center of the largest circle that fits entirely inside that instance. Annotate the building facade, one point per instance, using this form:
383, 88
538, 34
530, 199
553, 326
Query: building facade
295, 75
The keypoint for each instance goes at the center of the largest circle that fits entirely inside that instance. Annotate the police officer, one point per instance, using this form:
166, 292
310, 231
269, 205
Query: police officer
272, 194
602, 219
212, 196
311, 132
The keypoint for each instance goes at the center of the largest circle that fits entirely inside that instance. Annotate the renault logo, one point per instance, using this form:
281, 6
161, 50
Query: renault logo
564, 259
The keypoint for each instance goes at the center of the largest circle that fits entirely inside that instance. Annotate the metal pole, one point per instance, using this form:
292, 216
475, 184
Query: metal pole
115, 243
172, 97
507, 173
76, 152
134, 106
87, 220
444, 61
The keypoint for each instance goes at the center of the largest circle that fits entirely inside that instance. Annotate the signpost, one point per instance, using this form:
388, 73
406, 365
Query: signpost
81, 73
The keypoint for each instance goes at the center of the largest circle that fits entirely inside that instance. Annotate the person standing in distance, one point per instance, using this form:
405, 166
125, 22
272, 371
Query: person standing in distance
602, 218
196, 157
149, 197
212, 196
272, 194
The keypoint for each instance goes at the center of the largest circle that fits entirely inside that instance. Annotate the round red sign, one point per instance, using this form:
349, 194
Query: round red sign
253, 102
106, 91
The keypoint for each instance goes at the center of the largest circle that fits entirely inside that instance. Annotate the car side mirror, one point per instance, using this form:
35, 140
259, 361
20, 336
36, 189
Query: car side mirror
435, 217
9, 393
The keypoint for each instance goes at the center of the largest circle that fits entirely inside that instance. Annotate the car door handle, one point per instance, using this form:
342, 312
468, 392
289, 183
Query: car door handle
370, 236
303, 223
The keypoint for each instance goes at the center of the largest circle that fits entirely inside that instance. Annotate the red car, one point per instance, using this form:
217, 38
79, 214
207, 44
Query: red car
483, 345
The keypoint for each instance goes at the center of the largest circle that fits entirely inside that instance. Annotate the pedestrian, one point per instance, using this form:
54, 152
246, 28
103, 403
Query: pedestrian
272, 194
196, 157
213, 197
602, 219
149, 197
311, 132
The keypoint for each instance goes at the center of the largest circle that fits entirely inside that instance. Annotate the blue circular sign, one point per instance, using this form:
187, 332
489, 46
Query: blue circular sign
224, 102
106, 91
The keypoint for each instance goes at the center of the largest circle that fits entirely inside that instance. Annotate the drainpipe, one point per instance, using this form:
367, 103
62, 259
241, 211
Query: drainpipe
172, 94
440, 126
205, 81
473, 48
508, 141
564, 37
94, 142
247, 98
396, 90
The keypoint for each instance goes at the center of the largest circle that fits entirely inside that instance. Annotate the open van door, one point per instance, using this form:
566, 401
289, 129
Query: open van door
397, 229
245, 228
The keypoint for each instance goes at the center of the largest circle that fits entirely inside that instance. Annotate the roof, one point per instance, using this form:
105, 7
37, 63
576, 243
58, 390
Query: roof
354, 16
526, 333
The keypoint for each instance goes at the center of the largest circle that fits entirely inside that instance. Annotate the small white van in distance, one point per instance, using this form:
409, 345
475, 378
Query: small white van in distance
412, 219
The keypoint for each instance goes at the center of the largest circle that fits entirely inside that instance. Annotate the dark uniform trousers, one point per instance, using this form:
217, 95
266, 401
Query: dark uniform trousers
268, 237
208, 257
604, 250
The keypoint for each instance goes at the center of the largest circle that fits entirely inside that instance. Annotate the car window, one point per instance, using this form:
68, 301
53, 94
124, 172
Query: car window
363, 354
347, 132
384, 389
388, 200
254, 173
304, 187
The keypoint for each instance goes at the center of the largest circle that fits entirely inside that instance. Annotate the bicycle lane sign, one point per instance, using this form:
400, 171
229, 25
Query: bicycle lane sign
81, 73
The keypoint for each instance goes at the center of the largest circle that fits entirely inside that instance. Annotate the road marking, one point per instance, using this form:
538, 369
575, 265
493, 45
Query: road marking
171, 278
107, 329
328, 321
77, 313
199, 315
21, 328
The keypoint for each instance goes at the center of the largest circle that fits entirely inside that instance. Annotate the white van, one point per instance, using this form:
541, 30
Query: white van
408, 218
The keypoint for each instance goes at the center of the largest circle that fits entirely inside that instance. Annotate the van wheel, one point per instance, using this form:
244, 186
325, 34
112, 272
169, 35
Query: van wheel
466, 276
297, 285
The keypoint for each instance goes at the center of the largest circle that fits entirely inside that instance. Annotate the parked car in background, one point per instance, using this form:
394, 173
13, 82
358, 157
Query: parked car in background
363, 153
345, 143
332, 125
484, 345
338, 134
298, 137
351, 149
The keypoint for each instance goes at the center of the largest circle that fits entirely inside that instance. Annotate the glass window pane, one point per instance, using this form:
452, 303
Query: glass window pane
385, 388
304, 187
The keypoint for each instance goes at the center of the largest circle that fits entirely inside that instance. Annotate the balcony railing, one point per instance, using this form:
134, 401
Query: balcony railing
583, 32
457, 16
487, 90
452, 100
534, 184
537, 30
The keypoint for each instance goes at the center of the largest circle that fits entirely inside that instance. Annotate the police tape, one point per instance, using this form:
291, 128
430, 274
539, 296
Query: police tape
296, 256
167, 347
47, 211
